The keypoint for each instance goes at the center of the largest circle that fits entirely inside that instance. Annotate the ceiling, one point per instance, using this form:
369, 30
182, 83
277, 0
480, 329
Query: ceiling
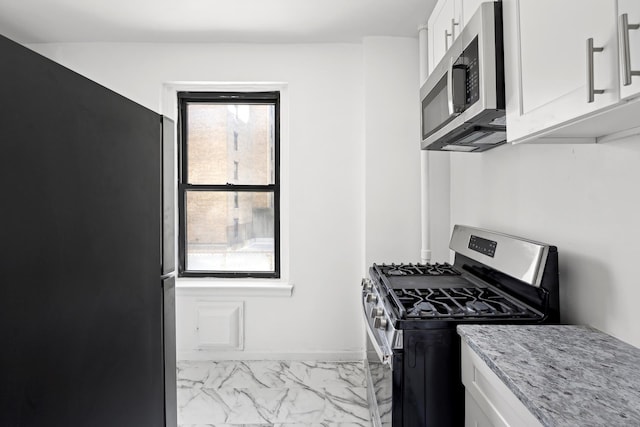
245, 21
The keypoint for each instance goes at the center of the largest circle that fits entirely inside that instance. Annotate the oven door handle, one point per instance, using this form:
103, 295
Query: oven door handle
383, 351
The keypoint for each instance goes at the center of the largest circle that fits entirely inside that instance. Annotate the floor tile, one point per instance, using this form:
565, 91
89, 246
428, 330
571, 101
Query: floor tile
346, 405
272, 394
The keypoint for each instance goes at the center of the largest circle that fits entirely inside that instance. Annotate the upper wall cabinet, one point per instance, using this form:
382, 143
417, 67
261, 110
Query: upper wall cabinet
442, 28
564, 69
445, 24
469, 7
629, 30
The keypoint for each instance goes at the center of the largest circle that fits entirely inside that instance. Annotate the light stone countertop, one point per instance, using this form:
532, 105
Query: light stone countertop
566, 375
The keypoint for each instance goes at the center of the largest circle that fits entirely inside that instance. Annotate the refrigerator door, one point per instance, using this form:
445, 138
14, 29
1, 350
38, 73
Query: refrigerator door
81, 312
168, 197
170, 381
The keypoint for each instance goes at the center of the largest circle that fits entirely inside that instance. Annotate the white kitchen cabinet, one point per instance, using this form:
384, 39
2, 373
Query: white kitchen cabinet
473, 414
488, 401
445, 24
546, 62
629, 11
469, 7
442, 28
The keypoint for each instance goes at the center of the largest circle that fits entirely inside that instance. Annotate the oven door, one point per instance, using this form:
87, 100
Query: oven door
379, 365
379, 387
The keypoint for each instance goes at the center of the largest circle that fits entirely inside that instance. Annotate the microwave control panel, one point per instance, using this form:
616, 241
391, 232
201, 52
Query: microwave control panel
470, 58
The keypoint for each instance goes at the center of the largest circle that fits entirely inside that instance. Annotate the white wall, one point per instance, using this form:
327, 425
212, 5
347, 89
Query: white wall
584, 199
328, 103
392, 150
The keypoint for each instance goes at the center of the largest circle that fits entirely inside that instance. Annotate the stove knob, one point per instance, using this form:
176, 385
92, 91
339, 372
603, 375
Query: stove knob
366, 284
380, 323
377, 311
372, 298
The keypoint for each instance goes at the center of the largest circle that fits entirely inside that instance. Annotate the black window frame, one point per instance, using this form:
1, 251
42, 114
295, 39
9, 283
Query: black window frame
251, 98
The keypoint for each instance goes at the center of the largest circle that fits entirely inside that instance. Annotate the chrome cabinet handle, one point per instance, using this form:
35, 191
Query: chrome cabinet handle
591, 91
625, 50
451, 34
453, 29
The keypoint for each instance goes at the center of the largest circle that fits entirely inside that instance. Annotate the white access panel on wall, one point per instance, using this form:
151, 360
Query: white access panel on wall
220, 325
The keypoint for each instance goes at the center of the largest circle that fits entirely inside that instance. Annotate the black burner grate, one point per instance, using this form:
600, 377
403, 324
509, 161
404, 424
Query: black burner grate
435, 269
458, 303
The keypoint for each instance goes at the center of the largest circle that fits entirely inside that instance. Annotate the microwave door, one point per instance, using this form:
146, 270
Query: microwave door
446, 100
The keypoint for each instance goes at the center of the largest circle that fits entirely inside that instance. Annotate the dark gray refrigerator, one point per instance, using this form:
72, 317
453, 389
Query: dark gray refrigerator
87, 323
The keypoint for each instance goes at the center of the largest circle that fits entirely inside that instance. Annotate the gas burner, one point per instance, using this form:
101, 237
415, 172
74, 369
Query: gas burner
435, 269
444, 269
401, 270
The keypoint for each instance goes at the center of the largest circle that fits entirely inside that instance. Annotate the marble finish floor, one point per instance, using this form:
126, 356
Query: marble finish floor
272, 394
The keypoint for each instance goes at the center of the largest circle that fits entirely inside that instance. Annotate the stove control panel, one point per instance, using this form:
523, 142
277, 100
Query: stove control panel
484, 246
520, 258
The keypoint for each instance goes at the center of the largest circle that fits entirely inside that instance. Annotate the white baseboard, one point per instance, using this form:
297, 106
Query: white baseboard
319, 356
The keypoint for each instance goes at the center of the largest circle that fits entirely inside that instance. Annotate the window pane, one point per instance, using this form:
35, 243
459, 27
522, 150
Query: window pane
230, 143
223, 237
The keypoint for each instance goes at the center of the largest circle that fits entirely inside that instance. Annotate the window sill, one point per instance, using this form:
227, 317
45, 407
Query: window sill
233, 287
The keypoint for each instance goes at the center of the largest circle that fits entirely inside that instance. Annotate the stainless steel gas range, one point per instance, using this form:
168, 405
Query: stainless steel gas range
411, 312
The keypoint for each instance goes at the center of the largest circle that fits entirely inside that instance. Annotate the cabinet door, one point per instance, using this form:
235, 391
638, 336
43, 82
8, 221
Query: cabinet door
440, 25
546, 61
473, 414
488, 401
469, 7
629, 55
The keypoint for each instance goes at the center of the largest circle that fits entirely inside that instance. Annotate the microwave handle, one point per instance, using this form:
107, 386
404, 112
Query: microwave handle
450, 87
453, 102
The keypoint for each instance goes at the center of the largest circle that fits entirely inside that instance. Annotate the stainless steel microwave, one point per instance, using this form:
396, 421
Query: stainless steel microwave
463, 101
